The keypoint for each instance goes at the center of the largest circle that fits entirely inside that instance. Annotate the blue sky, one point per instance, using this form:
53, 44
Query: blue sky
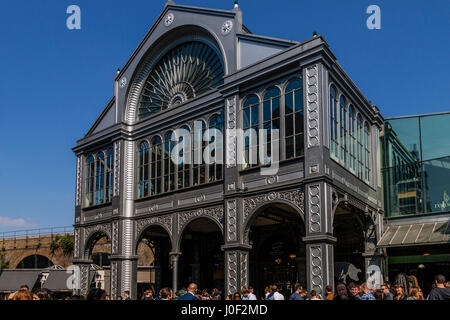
55, 81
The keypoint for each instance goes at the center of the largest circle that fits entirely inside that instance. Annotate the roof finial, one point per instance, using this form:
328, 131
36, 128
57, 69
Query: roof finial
236, 4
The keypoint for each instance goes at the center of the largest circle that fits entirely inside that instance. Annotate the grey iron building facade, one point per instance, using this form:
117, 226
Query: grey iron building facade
204, 64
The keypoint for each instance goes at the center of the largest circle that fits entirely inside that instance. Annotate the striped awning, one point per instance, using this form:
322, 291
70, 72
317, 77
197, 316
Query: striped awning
415, 234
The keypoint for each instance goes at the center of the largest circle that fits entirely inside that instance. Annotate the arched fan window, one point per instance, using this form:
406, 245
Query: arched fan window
185, 72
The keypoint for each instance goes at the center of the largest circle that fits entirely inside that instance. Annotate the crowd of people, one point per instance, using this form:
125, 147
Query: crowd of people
352, 291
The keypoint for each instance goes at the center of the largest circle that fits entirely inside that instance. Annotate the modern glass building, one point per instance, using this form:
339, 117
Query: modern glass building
416, 176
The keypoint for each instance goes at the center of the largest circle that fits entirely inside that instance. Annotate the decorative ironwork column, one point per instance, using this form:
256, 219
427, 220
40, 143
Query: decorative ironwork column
236, 268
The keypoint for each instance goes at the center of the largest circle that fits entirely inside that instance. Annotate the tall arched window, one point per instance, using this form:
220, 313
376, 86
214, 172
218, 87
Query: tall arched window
215, 169
184, 166
343, 132
359, 125
271, 119
100, 178
169, 165
198, 162
156, 165
250, 123
109, 175
90, 178
293, 113
143, 170
352, 138
334, 147
367, 151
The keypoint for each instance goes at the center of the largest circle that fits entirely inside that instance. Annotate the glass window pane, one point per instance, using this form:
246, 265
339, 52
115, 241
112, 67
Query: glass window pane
405, 135
246, 116
435, 136
289, 126
436, 184
298, 122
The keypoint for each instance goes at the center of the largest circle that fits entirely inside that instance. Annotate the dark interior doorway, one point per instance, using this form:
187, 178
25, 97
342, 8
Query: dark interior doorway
278, 256
202, 258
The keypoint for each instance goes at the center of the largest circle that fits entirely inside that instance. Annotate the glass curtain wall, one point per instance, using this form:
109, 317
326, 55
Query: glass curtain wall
416, 165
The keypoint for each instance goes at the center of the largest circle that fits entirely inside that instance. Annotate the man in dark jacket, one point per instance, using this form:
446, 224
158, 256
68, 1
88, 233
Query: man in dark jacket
190, 294
440, 292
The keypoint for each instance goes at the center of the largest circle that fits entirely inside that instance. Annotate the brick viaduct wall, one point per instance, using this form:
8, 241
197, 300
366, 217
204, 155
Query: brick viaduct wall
17, 249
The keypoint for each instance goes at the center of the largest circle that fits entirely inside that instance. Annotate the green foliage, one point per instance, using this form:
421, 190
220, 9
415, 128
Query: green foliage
65, 243
3, 263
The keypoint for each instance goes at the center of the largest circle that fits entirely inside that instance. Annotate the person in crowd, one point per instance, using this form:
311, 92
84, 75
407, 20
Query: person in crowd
190, 294
267, 293
304, 294
315, 295
251, 295
414, 294
447, 284
237, 296
206, 295
342, 293
440, 292
378, 294
165, 294
229, 297
180, 293
245, 293
148, 295
43, 294
23, 294
354, 291
387, 294
22, 287
297, 293
119, 298
276, 295
329, 295
126, 295
216, 294
366, 293
399, 293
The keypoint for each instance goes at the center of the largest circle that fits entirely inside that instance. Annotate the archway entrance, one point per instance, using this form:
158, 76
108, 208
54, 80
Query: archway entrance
348, 228
35, 261
202, 259
279, 255
99, 251
154, 270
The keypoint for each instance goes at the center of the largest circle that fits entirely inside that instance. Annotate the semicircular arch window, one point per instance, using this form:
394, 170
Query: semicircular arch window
185, 72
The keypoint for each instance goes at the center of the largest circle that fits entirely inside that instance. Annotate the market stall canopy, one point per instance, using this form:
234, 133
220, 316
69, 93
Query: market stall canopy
12, 280
415, 234
58, 280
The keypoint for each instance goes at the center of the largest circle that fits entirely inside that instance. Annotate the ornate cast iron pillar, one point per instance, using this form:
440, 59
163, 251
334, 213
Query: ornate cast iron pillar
319, 239
175, 260
236, 267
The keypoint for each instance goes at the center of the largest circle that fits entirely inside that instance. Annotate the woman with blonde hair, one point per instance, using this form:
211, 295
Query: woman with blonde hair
414, 294
22, 295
